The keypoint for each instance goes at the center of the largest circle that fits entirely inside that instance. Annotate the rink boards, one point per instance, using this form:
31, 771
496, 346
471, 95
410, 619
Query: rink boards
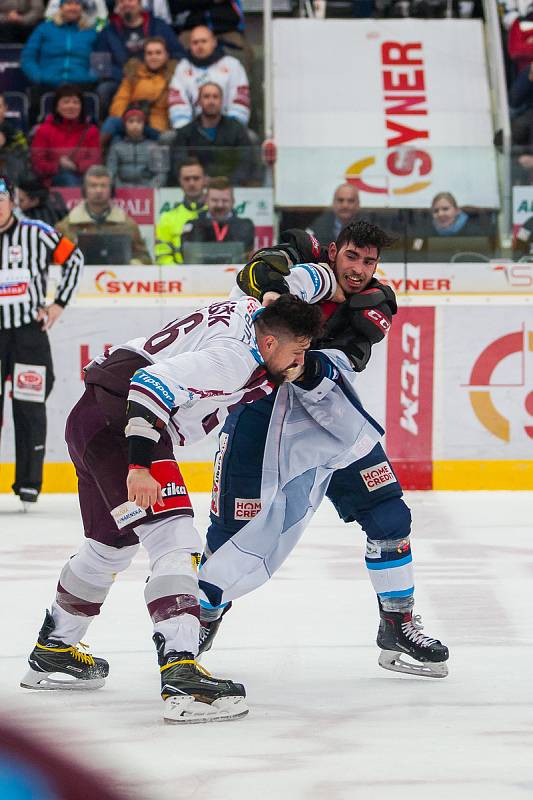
453, 386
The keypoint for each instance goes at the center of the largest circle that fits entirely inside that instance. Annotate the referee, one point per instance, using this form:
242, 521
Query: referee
27, 248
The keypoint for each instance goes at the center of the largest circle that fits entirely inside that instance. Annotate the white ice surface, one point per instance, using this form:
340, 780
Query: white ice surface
325, 720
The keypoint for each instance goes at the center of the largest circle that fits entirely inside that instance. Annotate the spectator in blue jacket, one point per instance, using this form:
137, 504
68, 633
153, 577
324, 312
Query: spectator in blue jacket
123, 38
59, 49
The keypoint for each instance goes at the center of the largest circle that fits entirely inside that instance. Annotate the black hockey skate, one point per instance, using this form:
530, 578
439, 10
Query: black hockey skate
401, 633
208, 631
191, 694
28, 497
56, 665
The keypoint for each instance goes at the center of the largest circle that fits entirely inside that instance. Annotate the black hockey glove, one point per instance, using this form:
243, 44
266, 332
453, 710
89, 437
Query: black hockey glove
371, 312
317, 366
265, 273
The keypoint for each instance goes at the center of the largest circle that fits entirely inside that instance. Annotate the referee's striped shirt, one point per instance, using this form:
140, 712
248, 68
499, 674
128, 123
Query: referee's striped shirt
27, 248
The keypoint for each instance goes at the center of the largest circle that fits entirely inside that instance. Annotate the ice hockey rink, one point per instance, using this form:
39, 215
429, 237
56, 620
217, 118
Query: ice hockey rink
325, 720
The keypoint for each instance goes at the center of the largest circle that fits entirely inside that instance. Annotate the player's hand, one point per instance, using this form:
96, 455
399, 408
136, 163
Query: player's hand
48, 316
338, 295
265, 272
270, 297
143, 489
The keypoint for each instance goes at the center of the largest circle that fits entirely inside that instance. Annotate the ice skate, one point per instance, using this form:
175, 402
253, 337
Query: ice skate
399, 635
208, 631
28, 498
191, 694
56, 665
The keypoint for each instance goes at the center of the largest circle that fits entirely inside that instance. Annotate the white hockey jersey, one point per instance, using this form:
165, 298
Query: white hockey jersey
309, 282
203, 365
227, 72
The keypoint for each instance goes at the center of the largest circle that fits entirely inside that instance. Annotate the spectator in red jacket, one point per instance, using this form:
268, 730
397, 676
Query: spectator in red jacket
521, 40
65, 145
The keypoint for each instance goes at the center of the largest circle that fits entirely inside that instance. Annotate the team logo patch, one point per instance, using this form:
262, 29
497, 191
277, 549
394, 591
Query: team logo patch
377, 476
14, 253
246, 509
29, 382
372, 550
173, 489
127, 513
217, 472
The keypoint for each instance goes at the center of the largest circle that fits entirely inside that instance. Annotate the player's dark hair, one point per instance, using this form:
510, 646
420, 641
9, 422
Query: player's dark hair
362, 233
290, 316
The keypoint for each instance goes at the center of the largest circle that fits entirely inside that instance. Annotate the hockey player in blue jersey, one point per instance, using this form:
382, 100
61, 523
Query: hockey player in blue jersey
358, 311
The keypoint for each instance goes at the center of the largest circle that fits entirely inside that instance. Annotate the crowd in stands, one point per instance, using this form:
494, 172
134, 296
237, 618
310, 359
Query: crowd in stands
154, 93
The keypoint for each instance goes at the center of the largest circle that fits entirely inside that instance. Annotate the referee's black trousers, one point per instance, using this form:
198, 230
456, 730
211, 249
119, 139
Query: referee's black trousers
20, 350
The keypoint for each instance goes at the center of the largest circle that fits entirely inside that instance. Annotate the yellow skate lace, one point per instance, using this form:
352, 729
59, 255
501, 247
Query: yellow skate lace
85, 658
187, 661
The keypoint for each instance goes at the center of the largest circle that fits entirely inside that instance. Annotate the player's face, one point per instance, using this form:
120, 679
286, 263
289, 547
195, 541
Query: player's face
282, 355
354, 266
6, 209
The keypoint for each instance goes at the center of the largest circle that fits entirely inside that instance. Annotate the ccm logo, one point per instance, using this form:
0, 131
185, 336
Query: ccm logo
410, 377
378, 319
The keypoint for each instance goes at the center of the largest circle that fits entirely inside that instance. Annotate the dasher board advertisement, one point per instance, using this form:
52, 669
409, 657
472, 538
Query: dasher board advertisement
400, 108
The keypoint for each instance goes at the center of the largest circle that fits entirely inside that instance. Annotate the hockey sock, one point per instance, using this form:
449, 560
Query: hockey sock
390, 567
171, 596
83, 586
209, 613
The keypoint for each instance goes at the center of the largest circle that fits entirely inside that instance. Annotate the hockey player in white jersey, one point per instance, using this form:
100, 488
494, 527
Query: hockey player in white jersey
141, 400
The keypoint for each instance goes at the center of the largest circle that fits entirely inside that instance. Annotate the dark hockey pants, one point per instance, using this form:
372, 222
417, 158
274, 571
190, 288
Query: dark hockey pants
27, 346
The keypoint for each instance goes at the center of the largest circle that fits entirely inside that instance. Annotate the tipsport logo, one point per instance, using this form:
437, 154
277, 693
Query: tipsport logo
484, 389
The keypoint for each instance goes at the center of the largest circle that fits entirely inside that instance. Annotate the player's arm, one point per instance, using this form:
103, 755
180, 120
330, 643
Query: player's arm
270, 269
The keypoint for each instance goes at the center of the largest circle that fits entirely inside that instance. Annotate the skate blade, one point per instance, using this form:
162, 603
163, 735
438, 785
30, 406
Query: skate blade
45, 680
186, 710
393, 661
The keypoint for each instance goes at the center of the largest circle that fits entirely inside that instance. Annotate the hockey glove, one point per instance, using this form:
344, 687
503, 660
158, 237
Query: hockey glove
317, 367
265, 273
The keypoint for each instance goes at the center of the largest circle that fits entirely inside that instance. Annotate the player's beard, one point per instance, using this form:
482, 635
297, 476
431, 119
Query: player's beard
282, 376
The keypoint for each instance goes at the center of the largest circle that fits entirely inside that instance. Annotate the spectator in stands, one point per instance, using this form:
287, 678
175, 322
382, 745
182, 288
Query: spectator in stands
133, 160
13, 146
35, 201
520, 41
205, 63
327, 226
450, 220
219, 223
95, 10
144, 82
18, 18
193, 181
221, 16
59, 49
98, 215
123, 38
220, 143
65, 144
